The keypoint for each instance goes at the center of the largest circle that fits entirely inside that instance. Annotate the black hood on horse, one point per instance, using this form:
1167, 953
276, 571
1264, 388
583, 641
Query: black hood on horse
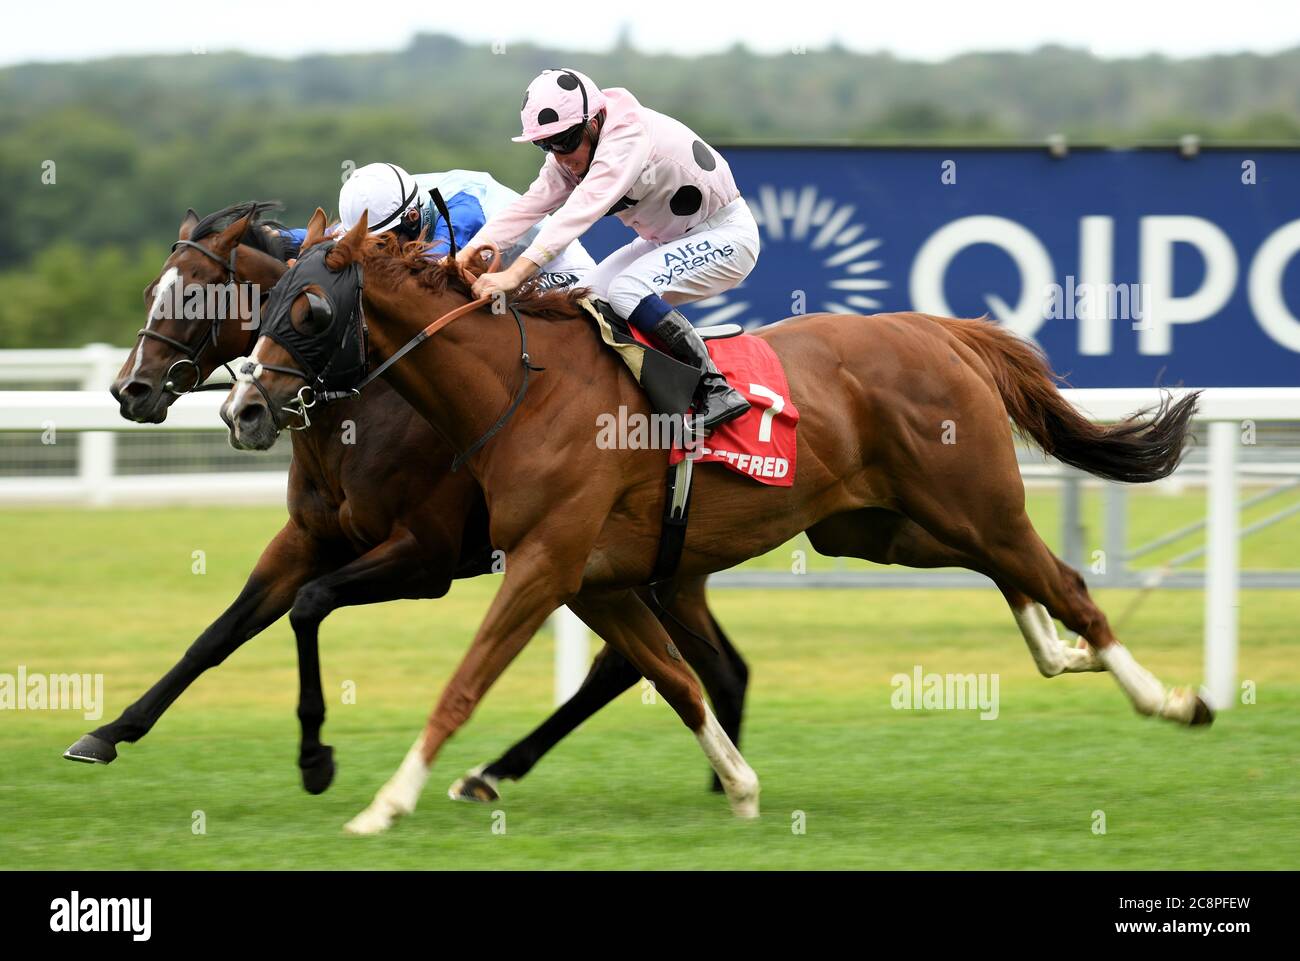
329, 345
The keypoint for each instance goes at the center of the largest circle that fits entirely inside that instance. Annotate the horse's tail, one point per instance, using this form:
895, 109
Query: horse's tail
1145, 447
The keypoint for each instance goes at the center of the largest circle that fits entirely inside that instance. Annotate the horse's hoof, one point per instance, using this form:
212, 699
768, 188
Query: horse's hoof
474, 786
318, 771
90, 749
1202, 712
746, 807
743, 796
370, 821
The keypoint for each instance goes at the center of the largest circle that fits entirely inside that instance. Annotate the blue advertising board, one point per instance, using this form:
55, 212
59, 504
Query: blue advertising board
1129, 267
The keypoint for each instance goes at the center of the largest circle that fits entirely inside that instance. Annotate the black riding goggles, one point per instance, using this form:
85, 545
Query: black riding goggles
564, 142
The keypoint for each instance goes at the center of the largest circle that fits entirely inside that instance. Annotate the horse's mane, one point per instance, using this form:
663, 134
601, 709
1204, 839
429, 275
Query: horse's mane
397, 262
267, 242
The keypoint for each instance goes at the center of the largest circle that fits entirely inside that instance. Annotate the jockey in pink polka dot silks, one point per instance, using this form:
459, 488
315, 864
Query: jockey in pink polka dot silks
607, 154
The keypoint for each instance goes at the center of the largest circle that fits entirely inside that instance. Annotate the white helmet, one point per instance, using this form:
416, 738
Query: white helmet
385, 190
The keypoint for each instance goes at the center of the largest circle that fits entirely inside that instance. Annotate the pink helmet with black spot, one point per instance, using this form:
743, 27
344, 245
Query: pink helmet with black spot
555, 101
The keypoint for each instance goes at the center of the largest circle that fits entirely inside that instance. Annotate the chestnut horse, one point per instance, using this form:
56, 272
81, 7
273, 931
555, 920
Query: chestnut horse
905, 455
377, 520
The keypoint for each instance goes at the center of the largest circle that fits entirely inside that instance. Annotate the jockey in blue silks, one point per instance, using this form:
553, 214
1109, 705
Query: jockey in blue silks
400, 202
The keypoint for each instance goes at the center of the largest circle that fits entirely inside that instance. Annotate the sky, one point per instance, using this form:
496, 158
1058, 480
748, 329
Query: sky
913, 29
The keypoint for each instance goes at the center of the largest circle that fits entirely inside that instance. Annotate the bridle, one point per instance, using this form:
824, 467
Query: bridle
346, 287
313, 390
192, 354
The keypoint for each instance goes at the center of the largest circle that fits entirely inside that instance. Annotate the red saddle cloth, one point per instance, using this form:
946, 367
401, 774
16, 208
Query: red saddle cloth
760, 443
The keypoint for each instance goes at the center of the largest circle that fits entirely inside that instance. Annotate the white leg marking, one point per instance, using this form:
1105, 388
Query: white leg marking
738, 778
1145, 690
1051, 654
395, 798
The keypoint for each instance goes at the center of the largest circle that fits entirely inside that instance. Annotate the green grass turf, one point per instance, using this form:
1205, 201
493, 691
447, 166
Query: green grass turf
113, 592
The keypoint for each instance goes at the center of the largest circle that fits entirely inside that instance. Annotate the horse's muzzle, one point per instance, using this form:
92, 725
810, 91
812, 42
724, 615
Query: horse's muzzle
139, 401
251, 425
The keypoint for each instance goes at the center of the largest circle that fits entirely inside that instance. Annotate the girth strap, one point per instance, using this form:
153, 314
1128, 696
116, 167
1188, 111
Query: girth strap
677, 505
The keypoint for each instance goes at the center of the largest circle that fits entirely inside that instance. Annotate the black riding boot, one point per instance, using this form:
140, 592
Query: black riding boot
719, 401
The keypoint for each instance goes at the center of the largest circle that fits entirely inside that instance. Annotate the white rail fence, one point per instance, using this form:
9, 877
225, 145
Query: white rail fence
92, 416
84, 409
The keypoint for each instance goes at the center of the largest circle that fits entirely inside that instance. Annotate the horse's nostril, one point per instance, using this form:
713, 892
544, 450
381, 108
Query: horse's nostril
250, 414
134, 390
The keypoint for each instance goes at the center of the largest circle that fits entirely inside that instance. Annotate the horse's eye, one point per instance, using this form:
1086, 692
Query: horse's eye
319, 317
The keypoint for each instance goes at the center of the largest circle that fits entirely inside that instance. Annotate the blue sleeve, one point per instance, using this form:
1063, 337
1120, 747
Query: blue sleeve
293, 238
467, 218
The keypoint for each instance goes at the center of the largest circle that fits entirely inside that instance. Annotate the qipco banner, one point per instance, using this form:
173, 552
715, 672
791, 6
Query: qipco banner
1129, 267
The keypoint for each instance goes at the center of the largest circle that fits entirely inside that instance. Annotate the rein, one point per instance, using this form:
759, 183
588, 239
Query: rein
308, 395
514, 404
442, 322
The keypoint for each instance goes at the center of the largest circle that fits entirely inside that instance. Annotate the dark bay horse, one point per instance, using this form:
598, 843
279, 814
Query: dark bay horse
378, 520
905, 455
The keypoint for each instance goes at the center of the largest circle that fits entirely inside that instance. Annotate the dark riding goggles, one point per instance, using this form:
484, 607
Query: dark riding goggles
564, 142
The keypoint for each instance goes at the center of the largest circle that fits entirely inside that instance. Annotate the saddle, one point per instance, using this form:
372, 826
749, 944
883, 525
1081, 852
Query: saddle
670, 387
669, 384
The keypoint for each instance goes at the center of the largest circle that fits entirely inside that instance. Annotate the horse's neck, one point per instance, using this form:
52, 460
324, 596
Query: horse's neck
323, 444
463, 377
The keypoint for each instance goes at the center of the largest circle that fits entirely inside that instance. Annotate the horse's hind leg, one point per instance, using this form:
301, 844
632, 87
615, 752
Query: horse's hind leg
1078, 612
611, 674
884, 537
1025, 563
1052, 656
993, 529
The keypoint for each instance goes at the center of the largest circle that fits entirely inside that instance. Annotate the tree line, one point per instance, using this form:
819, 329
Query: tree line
100, 159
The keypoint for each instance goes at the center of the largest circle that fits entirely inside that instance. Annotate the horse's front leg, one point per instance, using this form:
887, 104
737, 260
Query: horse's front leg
701, 641
624, 621
707, 649
540, 575
393, 570
286, 563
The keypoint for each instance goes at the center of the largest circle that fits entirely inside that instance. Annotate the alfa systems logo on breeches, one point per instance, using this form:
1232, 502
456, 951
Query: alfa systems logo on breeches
684, 258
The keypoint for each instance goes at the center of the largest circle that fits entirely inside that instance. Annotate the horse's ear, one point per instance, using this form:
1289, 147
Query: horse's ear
315, 229
228, 239
351, 241
190, 221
